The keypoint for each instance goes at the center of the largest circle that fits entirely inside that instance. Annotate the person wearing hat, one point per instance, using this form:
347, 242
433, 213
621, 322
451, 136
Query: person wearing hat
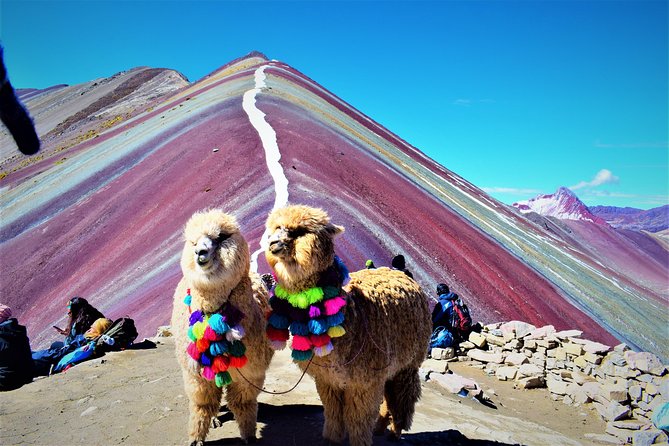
369, 264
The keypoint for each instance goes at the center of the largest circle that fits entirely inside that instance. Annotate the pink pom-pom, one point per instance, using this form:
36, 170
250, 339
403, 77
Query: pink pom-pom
208, 373
319, 340
301, 343
210, 334
332, 306
192, 351
314, 311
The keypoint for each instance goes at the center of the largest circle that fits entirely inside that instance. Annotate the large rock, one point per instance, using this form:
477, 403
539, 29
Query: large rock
644, 438
521, 329
572, 349
531, 382
615, 411
454, 383
494, 339
613, 392
645, 362
541, 333
480, 355
564, 334
591, 346
557, 386
516, 359
506, 373
526, 370
442, 353
477, 339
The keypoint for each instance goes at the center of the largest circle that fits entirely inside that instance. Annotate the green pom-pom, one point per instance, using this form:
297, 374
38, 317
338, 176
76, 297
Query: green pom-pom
223, 379
237, 348
301, 355
191, 335
330, 291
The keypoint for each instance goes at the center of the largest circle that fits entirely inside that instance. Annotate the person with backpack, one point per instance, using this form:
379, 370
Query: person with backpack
451, 321
81, 316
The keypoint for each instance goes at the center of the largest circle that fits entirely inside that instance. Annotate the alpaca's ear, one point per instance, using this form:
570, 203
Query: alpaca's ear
334, 229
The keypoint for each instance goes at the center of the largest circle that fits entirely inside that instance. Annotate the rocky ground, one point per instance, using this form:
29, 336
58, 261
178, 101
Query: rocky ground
135, 397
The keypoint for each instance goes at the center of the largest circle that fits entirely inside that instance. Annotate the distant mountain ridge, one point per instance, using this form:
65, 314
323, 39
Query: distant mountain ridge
651, 220
563, 204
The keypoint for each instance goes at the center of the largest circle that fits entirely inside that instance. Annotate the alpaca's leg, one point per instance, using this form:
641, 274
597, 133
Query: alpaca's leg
361, 407
401, 394
242, 399
332, 399
204, 402
383, 420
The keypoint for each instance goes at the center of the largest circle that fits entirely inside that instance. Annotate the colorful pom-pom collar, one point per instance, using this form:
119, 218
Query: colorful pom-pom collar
313, 317
216, 341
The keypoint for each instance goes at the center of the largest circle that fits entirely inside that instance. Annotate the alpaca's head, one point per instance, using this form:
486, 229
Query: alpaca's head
300, 245
215, 254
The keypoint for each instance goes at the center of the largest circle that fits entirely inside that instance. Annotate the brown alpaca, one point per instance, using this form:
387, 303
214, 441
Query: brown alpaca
215, 265
371, 372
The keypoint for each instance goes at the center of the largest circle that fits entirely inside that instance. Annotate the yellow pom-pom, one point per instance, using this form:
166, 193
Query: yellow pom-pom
198, 329
336, 331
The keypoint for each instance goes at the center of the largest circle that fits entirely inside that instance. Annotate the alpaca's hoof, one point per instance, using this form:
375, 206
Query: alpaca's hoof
250, 440
196, 443
215, 422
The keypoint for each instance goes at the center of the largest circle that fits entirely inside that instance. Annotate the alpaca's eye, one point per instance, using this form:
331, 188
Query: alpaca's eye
295, 233
221, 237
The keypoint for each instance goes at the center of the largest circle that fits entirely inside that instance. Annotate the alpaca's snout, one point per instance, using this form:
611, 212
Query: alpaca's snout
276, 246
204, 250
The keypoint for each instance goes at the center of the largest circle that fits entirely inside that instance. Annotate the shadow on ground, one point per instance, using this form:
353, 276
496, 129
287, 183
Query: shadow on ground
302, 424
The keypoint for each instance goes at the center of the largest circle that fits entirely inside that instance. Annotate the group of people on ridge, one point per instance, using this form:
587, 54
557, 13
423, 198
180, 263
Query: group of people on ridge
87, 329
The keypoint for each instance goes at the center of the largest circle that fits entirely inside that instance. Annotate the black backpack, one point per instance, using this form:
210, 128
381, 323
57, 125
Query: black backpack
121, 334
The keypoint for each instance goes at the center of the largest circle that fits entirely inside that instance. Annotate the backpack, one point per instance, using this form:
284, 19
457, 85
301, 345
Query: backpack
461, 320
441, 338
119, 335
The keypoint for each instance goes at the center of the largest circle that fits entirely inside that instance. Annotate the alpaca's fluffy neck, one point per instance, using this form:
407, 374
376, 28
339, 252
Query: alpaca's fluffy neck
211, 299
293, 283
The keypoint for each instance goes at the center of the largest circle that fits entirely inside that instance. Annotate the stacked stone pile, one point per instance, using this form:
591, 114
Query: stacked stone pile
625, 387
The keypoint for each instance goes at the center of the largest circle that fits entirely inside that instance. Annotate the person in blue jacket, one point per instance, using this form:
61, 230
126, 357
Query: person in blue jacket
442, 332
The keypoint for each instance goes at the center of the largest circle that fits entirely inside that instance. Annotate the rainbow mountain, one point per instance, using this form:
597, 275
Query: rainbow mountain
126, 160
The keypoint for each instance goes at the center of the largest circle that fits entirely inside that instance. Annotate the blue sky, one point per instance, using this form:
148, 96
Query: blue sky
518, 97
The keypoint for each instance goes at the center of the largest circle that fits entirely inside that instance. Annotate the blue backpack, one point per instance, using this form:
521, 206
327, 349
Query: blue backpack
441, 338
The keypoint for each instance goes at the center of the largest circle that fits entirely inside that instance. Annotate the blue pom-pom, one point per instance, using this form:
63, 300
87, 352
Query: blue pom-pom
318, 326
279, 321
335, 319
217, 324
299, 328
343, 270
188, 299
301, 355
205, 360
218, 348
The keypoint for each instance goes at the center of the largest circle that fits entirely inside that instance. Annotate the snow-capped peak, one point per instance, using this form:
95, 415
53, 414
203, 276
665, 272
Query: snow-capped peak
563, 204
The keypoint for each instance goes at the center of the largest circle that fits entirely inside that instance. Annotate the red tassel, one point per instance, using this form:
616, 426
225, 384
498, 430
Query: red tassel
275, 334
319, 340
